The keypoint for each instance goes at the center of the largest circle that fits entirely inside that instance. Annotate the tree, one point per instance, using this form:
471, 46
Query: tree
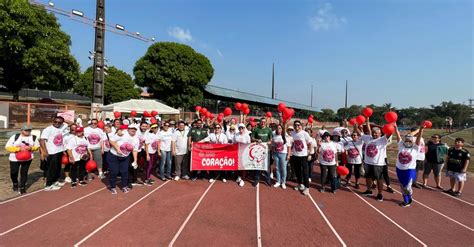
326, 115
350, 112
118, 85
174, 73
34, 52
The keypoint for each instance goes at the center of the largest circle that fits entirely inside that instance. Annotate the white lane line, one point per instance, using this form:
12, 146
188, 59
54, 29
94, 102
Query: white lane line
50, 212
434, 210
327, 222
259, 232
22, 196
118, 215
459, 199
190, 215
388, 218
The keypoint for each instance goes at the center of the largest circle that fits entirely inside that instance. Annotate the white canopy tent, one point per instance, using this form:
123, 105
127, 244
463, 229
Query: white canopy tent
140, 105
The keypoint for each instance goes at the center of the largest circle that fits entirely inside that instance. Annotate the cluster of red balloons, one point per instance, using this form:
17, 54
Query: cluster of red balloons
391, 117
243, 107
286, 113
203, 112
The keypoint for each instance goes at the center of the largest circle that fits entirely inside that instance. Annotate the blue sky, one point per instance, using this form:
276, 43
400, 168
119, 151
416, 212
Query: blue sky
404, 52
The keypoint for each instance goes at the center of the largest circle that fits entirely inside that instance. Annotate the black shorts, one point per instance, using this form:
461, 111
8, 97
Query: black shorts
420, 164
374, 172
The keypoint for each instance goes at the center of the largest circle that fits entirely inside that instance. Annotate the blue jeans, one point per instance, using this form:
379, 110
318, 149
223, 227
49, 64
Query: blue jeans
281, 164
165, 157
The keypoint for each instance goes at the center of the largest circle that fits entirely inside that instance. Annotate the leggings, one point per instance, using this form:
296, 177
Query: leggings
406, 178
328, 173
78, 170
15, 168
356, 171
150, 165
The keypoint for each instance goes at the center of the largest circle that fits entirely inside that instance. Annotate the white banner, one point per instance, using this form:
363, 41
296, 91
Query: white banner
254, 156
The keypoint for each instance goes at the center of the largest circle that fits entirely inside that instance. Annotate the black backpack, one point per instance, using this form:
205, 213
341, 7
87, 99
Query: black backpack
18, 136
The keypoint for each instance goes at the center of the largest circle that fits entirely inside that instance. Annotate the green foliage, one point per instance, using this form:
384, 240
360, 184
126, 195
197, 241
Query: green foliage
34, 52
326, 115
174, 73
118, 86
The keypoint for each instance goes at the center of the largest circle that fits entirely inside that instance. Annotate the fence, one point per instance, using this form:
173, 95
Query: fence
14, 114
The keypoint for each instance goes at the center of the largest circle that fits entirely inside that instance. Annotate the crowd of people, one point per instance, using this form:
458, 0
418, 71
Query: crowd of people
134, 149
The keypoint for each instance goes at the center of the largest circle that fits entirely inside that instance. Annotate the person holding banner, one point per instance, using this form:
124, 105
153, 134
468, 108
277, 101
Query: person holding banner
300, 143
262, 134
280, 151
197, 133
328, 161
241, 137
217, 138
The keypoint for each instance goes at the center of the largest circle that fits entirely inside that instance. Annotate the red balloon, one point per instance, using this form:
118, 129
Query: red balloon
287, 113
91, 165
281, 106
117, 114
211, 116
204, 111
101, 124
227, 111
23, 155
367, 112
253, 124
352, 121
310, 120
391, 117
153, 120
146, 114
251, 119
342, 171
388, 129
133, 113
154, 113
245, 106
64, 159
219, 118
246, 111
360, 119
427, 124
197, 108
311, 116
208, 114
268, 114
238, 106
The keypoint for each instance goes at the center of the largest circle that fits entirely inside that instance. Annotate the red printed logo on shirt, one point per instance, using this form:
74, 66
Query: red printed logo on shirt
154, 145
371, 150
58, 140
279, 146
404, 157
107, 144
94, 139
299, 145
81, 149
328, 155
353, 153
126, 148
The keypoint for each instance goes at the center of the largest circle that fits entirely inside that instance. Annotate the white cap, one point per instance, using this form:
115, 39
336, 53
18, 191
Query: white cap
241, 125
133, 126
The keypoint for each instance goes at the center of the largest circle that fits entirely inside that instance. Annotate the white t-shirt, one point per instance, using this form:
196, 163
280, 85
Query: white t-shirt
216, 138
151, 139
106, 141
406, 158
165, 138
95, 136
230, 136
422, 150
299, 143
375, 150
126, 143
78, 147
180, 138
313, 146
242, 138
354, 151
141, 137
54, 138
278, 145
328, 153
22, 141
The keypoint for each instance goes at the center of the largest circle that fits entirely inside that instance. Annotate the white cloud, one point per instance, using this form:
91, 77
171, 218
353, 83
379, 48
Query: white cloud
325, 19
219, 53
180, 34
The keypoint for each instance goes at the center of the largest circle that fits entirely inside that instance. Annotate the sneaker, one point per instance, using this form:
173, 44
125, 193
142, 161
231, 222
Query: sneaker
194, 178
301, 187
113, 191
211, 180
297, 187
390, 190
283, 186
379, 197
125, 190
89, 176
271, 175
15, 187
52, 188
22, 190
276, 185
241, 183
322, 190
457, 194
255, 183
73, 184
186, 177
268, 182
374, 186
357, 186
439, 188
367, 193
405, 204
333, 191
59, 184
224, 180
416, 185
238, 180
450, 191
83, 183
148, 182
168, 177
101, 176
306, 192
68, 180
309, 179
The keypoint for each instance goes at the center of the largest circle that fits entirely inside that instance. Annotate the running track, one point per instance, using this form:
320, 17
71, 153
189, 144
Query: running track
186, 213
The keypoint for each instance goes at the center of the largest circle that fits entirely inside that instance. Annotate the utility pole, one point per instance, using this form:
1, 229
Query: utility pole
273, 81
311, 95
98, 78
345, 104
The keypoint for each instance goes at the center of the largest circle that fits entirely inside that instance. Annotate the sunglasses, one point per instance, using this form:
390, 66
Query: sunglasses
58, 122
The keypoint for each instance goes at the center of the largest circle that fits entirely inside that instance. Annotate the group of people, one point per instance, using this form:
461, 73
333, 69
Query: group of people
133, 149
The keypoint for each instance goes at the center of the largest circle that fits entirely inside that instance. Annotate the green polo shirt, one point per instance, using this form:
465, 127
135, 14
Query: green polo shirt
264, 134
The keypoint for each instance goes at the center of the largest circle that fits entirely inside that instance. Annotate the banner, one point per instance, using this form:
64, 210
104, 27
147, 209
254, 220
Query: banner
68, 116
254, 156
212, 157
